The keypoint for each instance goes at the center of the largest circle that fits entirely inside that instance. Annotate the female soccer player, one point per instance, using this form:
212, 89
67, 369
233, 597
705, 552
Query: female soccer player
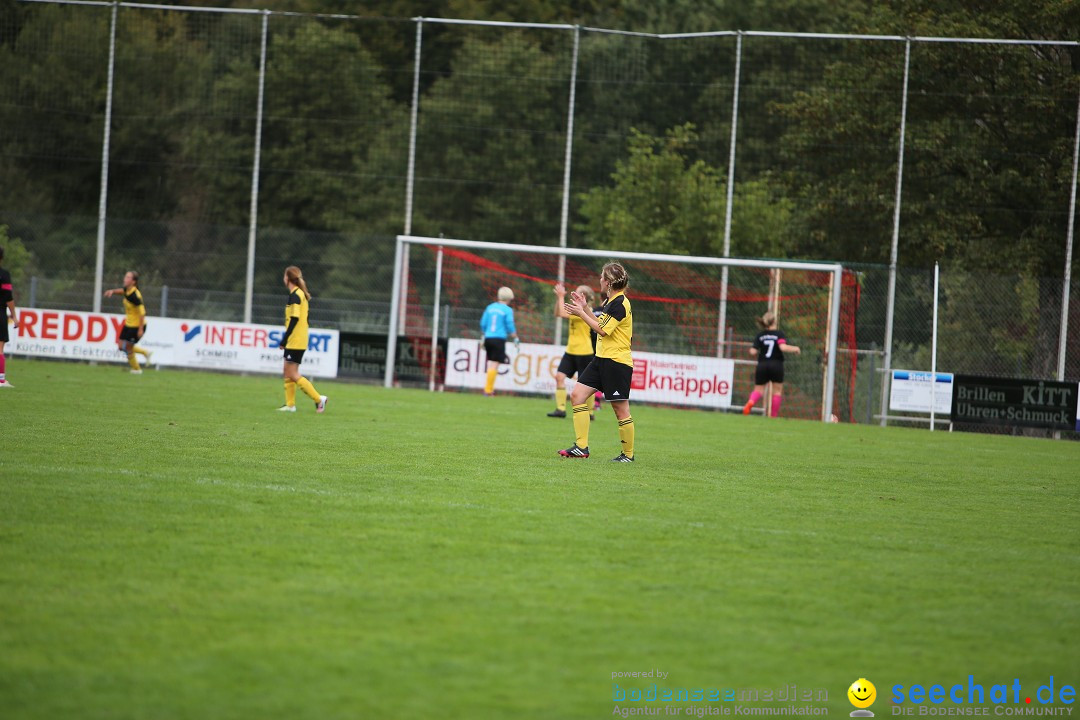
612, 370
295, 342
497, 324
7, 301
134, 321
580, 347
769, 348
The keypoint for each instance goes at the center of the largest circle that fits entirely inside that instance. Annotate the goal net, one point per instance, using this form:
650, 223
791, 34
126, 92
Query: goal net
691, 337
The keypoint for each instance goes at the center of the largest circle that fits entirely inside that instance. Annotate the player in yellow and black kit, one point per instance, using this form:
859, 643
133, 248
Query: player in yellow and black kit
134, 321
579, 347
295, 342
613, 368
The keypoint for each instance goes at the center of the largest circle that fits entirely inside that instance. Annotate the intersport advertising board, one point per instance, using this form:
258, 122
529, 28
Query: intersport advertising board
658, 377
175, 342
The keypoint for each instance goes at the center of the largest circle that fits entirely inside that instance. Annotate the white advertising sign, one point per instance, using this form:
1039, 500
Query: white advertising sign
659, 378
910, 392
174, 342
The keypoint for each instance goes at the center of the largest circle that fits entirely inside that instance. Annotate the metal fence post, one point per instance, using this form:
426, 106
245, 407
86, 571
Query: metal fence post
891, 304
722, 319
933, 344
870, 384
565, 218
410, 173
253, 220
33, 292
1068, 254
99, 261
164, 301
435, 319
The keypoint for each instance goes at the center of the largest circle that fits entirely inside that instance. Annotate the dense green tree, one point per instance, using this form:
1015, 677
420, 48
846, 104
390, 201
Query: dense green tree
490, 144
662, 201
988, 158
52, 75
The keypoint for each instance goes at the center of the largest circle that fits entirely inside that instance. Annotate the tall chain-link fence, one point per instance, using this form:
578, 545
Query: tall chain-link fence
239, 142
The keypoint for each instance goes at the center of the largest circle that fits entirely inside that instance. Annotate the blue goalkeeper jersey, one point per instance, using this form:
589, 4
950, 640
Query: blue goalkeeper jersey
498, 321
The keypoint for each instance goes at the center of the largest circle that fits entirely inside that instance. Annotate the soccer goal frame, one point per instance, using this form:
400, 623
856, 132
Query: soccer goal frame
404, 243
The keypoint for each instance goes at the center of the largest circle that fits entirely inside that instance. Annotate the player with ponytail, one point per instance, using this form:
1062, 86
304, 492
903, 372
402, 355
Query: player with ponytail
769, 348
134, 321
295, 341
612, 370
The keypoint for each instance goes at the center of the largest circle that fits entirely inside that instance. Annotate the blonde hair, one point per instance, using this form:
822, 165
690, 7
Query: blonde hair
587, 292
297, 278
505, 294
767, 320
616, 276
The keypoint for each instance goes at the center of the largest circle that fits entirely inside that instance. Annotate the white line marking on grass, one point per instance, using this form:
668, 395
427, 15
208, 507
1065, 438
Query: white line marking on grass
273, 487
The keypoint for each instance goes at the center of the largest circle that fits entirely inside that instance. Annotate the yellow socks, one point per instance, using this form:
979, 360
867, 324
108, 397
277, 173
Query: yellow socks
290, 393
581, 425
560, 398
626, 436
489, 386
140, 351
309, 389
133, 361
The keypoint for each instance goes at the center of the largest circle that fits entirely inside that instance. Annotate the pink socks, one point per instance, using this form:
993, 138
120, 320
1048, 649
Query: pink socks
776, 400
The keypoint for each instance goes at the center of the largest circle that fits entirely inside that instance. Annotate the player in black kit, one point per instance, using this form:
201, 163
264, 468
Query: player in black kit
7, 305
769, 348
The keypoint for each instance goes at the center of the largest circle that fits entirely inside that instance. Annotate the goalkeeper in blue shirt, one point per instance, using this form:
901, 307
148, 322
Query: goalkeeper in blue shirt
497, 324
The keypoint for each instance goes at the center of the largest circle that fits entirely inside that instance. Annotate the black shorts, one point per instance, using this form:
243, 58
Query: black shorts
767, 372
496, 350
294, 356
572, 365
609, 377
4, 329
129, 334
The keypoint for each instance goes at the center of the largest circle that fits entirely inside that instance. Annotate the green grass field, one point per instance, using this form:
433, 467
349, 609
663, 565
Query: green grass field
171, 547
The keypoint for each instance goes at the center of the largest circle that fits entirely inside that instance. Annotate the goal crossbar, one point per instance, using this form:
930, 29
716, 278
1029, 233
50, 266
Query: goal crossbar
404, 241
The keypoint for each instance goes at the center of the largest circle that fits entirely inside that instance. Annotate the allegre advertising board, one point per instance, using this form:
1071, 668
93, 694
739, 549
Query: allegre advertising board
174, 342
660, 378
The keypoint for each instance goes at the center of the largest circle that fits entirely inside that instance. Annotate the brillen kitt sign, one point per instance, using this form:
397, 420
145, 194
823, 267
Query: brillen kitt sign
1021, 403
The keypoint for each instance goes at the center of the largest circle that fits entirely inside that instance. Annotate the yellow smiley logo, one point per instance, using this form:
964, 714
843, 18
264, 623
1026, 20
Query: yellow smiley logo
862, 693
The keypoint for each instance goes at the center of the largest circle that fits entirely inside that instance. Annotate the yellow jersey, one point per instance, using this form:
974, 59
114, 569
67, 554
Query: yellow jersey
134, 310
579, 341
617, 321
297, 307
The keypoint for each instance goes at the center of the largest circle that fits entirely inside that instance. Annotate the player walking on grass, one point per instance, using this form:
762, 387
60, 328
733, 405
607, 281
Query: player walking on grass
7, 305
134, 321
497, 324
612, 369
295, 342
580, 348
769, 348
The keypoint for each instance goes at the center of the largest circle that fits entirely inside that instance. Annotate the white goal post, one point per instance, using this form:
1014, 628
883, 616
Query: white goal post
404, 242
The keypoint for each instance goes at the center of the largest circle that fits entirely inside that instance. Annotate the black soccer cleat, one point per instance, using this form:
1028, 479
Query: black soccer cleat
575, 452
622, 458
557, 413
